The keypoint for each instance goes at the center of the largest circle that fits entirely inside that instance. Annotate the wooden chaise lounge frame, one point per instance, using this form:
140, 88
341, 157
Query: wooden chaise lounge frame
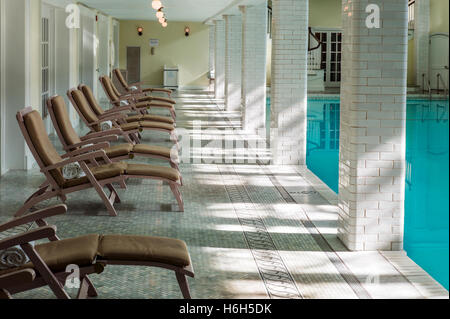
84, 156
93, 138
39, 274
117, 119
137, 99
127, 87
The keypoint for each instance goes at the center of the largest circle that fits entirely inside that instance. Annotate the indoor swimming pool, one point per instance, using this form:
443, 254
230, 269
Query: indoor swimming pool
427, 175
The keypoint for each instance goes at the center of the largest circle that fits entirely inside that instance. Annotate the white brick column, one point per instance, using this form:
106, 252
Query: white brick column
212, 46
219, 59
289, 81
373, 111
421, 39
233, 62
254, 61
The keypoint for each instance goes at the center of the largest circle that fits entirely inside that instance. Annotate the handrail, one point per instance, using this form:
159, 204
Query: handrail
439, 81
429, 89
315, 37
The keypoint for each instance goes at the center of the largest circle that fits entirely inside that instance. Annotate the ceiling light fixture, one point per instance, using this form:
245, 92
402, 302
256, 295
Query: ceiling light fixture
160, 14
164, 24
156, 4
162, 20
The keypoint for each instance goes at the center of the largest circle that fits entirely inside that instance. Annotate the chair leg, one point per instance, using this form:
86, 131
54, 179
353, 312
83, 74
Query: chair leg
4, 294
113, 191
184, 286
87, 289
177, 194
33, 201
106, 200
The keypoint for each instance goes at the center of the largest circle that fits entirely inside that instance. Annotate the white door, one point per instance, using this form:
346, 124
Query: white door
103, 53
48, 61
88, 45
439, 60
331, 55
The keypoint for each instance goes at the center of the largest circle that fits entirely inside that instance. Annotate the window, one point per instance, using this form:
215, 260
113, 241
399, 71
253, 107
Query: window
45, 44
331, 52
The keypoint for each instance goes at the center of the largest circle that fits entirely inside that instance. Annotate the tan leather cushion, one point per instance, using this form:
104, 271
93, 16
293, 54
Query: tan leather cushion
152, 170
92, 100
130, 126
156, 99
44, 147
150, 117
63, 121
118, 150
151, 150
100, 172
142, 105
158, 125
84, 107
144, 248
121, 79
79, 251
161, 104
109, 89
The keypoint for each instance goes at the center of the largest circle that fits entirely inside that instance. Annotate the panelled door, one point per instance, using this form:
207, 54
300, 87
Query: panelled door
331, 55
134, 64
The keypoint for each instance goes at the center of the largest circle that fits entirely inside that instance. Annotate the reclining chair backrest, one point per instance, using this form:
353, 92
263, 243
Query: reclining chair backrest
83, 109
36, 137
110, 90
61, 121
89, 95
121, 79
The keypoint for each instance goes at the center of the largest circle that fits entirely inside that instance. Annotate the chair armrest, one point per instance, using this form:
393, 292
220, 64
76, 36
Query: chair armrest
91, 136
35, 216
11, 279
117, 109
96, 140
110, 117
29, 236
91, 148
79, 158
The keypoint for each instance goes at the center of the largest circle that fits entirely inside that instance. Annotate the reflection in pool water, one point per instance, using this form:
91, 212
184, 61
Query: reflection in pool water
427, 175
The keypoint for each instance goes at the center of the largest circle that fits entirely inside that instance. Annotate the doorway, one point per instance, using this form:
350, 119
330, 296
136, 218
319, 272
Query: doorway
134, 64
331, 55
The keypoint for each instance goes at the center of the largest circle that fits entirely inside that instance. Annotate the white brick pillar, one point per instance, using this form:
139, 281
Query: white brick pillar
233, 62
254, 63
421, 39
372, 141
289, 81
212, 46
219, 59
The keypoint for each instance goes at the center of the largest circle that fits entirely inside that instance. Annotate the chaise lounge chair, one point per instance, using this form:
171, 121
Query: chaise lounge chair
48, 262
97, 176
142, 102
137, 87
71, 141
89, 117
141, 111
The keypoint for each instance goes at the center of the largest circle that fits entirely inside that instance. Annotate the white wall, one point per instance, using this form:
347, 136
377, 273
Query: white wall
20, 76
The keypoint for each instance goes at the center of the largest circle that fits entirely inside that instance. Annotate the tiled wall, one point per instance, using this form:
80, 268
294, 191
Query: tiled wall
289, 81
254, 65
219, 59
233, 62
373, 110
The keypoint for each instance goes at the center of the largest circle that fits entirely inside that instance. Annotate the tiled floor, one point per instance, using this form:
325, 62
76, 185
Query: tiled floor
253, 230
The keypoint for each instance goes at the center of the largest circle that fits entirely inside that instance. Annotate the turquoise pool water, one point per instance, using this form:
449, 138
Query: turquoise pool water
427, 180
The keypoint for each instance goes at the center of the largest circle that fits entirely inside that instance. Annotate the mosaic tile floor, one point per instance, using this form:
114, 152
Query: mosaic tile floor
253, 231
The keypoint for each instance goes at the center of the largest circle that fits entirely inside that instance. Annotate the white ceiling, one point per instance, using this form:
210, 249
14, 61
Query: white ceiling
176, 10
